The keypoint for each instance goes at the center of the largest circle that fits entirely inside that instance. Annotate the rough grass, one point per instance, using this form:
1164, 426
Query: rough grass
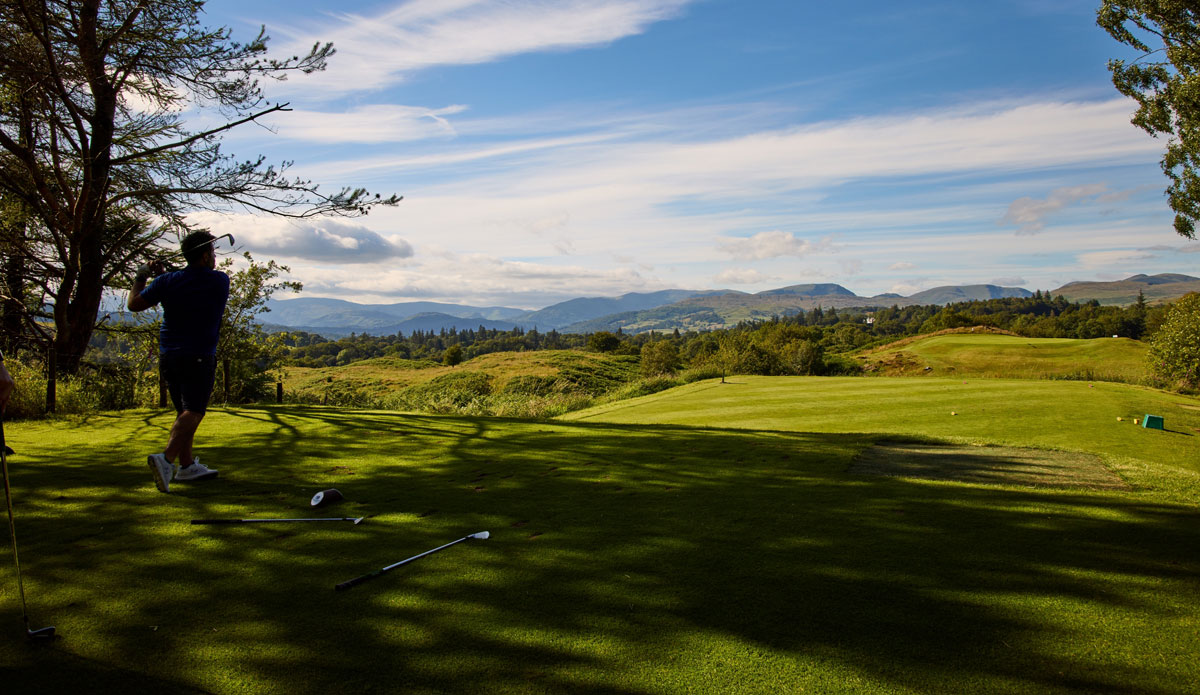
523, 384
738, 553
1009, 356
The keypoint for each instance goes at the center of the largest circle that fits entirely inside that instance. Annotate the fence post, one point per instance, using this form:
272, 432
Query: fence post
278, 391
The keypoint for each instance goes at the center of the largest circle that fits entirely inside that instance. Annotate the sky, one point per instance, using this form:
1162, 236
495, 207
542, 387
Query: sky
552, 149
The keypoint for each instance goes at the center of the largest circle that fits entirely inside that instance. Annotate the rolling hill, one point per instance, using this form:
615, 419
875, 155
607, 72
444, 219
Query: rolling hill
1156, 289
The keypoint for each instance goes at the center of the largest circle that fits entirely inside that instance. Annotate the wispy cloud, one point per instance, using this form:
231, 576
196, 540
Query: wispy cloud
369, 124
379, 50
1107, 259
1029, 214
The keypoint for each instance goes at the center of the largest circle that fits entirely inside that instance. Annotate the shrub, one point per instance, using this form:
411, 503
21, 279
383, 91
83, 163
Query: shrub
1175, 349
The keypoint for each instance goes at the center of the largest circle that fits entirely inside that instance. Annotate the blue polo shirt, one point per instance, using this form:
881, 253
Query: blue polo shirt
193, 301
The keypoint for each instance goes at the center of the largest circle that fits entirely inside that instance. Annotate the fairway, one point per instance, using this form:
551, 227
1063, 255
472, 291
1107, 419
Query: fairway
709, 539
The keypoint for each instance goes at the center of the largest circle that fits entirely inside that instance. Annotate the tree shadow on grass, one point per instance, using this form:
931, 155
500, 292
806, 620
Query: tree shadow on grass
623, 559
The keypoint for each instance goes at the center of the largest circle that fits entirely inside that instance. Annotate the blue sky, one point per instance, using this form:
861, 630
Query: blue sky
550, 149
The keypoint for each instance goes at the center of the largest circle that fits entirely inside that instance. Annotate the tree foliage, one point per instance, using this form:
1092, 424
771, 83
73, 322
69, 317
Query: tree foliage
247, 354
1175, 349
660, 358
97, 163
1165, 82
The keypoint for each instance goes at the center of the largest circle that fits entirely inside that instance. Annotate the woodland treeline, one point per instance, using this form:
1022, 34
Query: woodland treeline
831, 331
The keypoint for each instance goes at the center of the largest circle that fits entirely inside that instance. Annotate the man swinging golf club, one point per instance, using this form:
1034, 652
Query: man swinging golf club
193, 301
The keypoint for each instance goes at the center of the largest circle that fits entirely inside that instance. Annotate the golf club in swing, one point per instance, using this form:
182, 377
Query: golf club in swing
170, 267
40, 633
356, 520
482, 535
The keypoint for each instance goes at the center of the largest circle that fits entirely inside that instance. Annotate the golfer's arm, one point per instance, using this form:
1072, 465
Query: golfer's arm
136, 303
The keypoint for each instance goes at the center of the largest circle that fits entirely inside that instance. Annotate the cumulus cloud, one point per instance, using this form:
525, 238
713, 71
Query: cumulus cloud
321, 240
851, 267
1009, 281
902, 265
1029, 214
772, 245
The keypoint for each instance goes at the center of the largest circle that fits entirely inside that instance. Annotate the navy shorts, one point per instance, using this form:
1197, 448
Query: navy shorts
190, 379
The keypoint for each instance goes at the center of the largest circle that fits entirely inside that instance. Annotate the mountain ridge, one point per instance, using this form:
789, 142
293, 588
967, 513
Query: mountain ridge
667, 310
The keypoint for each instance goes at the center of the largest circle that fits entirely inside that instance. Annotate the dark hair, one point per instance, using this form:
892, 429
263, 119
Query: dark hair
195, 245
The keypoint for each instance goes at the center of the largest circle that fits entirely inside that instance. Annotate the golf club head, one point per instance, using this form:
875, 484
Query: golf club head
325, 498
8, 451
482, 535
359, 520
45, 633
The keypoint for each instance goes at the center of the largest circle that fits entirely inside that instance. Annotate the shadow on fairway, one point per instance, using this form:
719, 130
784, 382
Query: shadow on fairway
623, 559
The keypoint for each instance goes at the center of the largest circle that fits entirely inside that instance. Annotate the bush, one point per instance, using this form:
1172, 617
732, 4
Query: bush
1175, 349
707, 371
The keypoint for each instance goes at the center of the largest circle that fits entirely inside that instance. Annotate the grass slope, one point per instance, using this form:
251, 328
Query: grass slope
645, 558
383, 375
998, 355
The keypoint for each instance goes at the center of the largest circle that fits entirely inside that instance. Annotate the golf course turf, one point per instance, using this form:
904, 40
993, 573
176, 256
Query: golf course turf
712, 538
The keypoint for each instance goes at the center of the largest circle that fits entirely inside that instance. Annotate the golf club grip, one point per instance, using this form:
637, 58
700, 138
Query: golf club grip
357, 580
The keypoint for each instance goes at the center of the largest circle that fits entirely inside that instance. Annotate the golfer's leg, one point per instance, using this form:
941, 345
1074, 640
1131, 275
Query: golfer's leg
183, 432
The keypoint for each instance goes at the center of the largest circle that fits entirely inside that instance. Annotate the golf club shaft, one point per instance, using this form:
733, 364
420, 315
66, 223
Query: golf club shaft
265, 521
12, 527
212, 242
359, 580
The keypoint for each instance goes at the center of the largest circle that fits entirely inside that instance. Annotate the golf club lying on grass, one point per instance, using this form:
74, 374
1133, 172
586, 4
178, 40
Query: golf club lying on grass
356, 520
40, 633
482, 535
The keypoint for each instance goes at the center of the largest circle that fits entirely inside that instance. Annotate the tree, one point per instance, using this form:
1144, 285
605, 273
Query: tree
603, 341
246, 353
453, 356
659, 358
94, 148
1175, 349
1165, 82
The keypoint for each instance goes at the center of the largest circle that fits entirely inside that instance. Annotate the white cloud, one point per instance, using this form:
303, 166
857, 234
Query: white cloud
368, 124
324, 240
1029, 214
902, 265
772, 245
1105, 259
1013, 281
742, 276
851, 267
380, 50
478, 280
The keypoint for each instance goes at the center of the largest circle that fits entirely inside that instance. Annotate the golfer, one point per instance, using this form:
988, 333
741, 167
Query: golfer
193, 301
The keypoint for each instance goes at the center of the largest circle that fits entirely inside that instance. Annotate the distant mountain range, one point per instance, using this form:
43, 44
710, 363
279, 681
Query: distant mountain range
671, 309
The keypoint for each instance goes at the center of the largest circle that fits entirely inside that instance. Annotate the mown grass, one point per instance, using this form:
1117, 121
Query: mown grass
719, 543
1006, 356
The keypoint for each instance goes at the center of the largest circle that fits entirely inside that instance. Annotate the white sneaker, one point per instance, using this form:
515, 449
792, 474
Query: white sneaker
163, 471
196, 471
